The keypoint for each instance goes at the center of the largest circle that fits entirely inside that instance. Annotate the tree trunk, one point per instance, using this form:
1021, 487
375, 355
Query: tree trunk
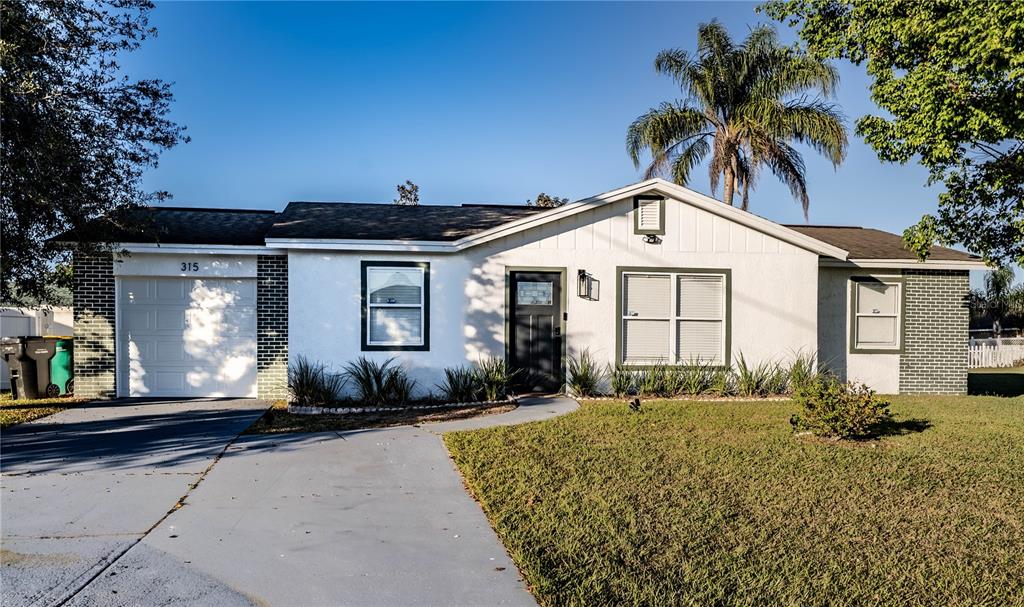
730, 186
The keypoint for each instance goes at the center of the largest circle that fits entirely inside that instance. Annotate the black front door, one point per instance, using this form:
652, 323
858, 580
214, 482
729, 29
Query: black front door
535, 345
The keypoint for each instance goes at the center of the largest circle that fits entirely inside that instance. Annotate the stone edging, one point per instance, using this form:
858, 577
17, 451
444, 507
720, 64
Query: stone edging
295, 409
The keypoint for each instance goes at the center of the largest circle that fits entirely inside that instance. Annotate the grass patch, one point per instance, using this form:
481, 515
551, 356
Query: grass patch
278, 420
14, 412
997, 382
695, 503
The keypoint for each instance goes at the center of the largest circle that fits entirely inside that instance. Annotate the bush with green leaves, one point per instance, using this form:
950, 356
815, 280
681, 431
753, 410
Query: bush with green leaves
585, 375
831, 408
496, 378
311, 384
461, 384
380, 383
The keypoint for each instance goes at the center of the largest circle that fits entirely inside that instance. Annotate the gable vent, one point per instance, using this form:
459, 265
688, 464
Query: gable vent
649, 214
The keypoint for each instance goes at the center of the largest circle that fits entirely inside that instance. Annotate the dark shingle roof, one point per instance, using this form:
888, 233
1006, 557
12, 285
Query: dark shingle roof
179, 225
868, 243
363, 221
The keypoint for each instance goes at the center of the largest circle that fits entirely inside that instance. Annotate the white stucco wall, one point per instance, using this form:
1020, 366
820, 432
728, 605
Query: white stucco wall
879, 371
774, 288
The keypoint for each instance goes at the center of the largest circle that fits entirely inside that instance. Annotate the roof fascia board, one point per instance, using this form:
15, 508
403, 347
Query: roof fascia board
907, 264
331, 244
185, 249
667, 189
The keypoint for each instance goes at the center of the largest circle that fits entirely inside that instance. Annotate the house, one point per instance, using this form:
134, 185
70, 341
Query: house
213, 302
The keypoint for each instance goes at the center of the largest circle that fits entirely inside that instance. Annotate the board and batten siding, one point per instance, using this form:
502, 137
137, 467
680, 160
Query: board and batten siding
774, 288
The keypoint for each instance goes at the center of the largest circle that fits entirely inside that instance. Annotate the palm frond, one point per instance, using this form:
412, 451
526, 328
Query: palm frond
687, 159
662, 127
788, 166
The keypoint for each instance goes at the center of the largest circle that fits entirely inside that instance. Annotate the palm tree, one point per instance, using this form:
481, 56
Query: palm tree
1001, 297
745, 106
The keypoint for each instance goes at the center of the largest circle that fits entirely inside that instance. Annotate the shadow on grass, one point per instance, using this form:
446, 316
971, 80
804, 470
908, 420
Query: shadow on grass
996, 382
894, 427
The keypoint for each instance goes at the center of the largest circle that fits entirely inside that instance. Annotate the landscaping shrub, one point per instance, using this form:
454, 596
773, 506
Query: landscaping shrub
622, 380
834, 409
754, 380
651, 381
310, 384
585, 375
695, 378
723, 381
461, 384
378, 384
802, 370
496, 378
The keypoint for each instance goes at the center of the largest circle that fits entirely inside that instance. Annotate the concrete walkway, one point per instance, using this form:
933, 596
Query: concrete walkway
81, 487
372, 517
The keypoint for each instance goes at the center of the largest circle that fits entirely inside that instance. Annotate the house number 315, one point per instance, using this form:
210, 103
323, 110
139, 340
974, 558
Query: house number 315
189, 266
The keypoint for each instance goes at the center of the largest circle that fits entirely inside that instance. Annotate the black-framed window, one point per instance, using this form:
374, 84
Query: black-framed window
395, 305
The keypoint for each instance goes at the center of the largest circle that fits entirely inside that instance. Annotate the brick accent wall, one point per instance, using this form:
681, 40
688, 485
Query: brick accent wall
272, 326
93, 295
934, 359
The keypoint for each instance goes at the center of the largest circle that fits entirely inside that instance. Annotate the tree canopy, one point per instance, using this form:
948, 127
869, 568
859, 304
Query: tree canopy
77, 132
545, 201
408, 194
949, 75
746, 106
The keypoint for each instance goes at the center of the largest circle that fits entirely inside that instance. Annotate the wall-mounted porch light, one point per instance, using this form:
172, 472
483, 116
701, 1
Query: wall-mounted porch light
587, 287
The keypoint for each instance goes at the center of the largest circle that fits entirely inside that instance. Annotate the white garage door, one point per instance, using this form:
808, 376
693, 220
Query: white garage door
187, 336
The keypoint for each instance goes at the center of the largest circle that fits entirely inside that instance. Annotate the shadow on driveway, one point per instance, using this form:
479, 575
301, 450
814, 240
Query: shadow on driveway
126, 434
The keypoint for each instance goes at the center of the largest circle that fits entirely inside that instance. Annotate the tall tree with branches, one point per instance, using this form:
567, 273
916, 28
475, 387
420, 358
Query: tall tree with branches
77, 132
746, 106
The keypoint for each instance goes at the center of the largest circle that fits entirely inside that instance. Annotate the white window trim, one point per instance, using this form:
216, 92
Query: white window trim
370, 306
673, 318
855, 347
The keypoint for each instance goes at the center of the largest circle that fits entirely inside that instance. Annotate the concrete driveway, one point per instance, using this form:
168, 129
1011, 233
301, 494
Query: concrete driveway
81, 487
373, 517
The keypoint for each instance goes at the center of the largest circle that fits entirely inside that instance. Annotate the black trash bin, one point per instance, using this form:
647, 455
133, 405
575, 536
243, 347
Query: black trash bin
22, 368
41, 350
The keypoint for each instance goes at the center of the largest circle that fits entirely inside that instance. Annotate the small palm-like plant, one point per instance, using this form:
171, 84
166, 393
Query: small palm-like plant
696, 377
622, 380
745, 106
585, 374
310, 384
380, 383
462, 384
496, 378
754, 379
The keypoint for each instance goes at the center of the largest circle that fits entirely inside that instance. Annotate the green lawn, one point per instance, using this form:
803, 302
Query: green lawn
1005, 381
690, 503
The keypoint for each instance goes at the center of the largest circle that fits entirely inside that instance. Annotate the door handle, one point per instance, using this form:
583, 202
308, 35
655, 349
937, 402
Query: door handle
558, 331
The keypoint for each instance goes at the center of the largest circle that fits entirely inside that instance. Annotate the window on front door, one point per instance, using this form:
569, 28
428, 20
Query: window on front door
674, 317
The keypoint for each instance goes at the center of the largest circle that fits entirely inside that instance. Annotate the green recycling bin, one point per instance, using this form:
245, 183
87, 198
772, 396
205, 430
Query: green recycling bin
62, 368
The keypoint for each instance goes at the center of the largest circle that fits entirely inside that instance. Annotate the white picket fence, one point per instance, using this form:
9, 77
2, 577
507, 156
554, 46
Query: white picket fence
995, 352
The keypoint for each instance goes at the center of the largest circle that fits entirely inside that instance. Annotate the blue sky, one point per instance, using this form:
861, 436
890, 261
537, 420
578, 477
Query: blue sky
474, 102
